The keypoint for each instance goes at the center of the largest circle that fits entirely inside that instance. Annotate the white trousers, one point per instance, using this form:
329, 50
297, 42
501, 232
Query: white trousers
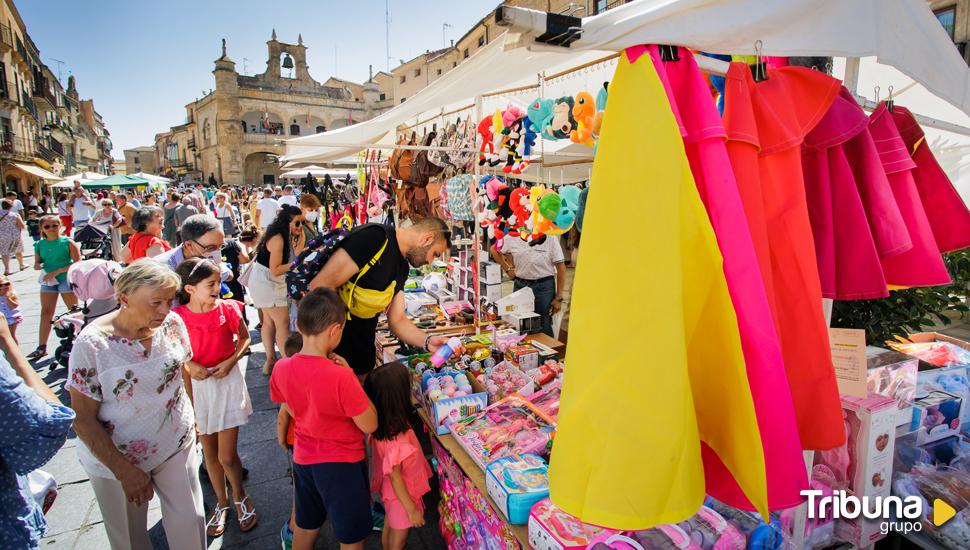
176, 482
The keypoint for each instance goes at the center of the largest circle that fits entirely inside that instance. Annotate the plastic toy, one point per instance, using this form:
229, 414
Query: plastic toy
445, 352
550, 528
607, 541
664, 537
516, 483
547, 399
512, 425
503, 380
584, 111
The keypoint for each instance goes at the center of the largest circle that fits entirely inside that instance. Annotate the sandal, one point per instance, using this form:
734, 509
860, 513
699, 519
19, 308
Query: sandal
247, 516
216, 525
38, 353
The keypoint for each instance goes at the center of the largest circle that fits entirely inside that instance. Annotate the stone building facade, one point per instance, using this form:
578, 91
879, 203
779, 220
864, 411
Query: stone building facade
234, 134
140, 159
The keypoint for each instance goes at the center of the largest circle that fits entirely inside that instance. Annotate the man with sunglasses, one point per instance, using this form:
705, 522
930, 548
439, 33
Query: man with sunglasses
202, 236
369, 269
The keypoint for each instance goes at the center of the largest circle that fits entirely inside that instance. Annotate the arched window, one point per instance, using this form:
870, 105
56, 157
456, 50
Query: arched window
321, 129
243, 122
294, 129
206, 132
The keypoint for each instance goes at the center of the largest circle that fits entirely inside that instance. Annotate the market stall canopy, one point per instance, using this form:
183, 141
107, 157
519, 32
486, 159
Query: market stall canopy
82, 177
36, 171
903, 33
153, 178
318, 172
117, 180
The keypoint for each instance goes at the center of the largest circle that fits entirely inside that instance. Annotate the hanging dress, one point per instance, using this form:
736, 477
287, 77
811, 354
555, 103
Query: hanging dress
704, 137
948, 214
635, 406
766, 123
845, 251
921, 265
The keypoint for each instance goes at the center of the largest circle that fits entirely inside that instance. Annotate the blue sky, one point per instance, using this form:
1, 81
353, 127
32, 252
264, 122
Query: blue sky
142, 61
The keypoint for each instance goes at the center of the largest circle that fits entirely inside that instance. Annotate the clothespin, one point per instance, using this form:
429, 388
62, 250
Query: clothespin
760, 69
889, 102
669, 53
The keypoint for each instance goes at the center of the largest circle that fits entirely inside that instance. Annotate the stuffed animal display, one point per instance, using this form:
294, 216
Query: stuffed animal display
526, 213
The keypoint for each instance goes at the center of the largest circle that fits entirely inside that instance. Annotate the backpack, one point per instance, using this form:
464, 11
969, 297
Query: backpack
308, 264
402, 159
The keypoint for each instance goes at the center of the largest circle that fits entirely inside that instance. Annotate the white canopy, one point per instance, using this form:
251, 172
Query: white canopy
900, 33
160, 180
36, 171
82, 177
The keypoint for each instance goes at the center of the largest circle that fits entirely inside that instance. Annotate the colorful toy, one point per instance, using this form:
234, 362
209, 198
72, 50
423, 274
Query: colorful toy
562, 119
607, 541
540, 114
445, 352
516, 483
488, 143
512, 142
503, 380
600, 110
584, 111
665, 536
547, 399
530, 137
449, 398
550, 528
512, 425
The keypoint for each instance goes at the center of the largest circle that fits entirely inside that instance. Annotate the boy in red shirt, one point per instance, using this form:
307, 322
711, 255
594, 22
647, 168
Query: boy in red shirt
332, 413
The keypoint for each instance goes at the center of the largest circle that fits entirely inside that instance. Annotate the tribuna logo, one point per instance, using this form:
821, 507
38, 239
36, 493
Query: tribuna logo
893, 513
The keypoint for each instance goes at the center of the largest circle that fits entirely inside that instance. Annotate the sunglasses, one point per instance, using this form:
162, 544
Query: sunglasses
4, 285
55, 226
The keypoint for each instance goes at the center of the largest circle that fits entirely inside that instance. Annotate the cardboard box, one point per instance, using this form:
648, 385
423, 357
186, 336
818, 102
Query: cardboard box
893, 374
921, 337
446, 410
525, 388
936, 415
523, 356
524, 322
520, 300
516, 483
871, 445
490, 273
492, 293
548, 341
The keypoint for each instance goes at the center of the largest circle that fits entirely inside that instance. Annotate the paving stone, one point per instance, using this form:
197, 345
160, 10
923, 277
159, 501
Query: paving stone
64, 541
65, 467
261, 427
71, 508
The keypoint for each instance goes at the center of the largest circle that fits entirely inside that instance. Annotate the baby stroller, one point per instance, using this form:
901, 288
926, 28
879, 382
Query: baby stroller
93, 284
94, 243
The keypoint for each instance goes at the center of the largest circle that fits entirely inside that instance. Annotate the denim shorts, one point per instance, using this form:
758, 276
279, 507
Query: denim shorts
62, 287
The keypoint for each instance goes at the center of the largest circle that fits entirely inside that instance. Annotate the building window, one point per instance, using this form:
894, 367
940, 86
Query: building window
464, 53
404, 79
402, 99
481, 41
417, 72
321, 129
454, 64
294, 129
439, 72
947, 17
382, 97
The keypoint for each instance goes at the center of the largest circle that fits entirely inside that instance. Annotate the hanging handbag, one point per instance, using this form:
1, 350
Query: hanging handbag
402, 160
246, 273
423, 170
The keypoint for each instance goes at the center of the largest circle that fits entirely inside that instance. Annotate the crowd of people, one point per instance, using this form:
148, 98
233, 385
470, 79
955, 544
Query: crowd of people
162, 371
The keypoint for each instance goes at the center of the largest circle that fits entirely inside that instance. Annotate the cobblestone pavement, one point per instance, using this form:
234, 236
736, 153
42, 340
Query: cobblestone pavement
74, 522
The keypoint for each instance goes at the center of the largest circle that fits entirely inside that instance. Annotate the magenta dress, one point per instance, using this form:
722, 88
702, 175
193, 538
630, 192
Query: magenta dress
845, 250
704, 141
948, 214
922, 265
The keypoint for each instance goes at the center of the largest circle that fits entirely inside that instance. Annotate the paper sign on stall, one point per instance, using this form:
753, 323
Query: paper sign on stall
849, 359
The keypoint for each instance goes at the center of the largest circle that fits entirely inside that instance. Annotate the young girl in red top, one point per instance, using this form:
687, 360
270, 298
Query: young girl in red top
219, 338
400, 470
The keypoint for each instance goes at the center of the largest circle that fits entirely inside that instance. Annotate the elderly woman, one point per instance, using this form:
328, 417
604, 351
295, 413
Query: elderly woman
134, 420
147, 242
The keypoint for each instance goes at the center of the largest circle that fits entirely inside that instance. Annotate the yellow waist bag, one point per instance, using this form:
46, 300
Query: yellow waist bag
366, 303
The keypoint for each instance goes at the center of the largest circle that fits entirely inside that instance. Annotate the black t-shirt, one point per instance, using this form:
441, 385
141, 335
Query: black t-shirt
357, 345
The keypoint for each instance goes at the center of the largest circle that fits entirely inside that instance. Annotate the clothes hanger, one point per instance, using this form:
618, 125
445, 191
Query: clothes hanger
889, 102
669, 53
760, 69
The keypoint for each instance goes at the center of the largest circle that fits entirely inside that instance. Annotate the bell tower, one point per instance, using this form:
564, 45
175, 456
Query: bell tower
295, 58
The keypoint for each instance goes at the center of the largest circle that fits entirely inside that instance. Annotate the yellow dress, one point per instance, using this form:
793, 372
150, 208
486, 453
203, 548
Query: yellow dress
654, 361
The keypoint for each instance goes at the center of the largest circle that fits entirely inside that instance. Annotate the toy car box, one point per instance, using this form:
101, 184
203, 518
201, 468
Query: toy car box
516, 483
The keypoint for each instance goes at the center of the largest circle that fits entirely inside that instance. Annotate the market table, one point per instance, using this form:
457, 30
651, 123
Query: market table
474, 473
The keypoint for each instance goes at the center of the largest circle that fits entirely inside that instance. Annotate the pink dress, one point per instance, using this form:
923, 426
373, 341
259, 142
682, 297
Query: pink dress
704, 141
948, 214
403, 449
921, 265
845, 251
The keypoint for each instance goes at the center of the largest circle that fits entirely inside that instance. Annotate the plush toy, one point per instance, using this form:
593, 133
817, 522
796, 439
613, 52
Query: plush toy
498, 209
530, 137
540, 114
569, 196
562, 119
512, 144
584, 111
488, 139
600, 110
519, 202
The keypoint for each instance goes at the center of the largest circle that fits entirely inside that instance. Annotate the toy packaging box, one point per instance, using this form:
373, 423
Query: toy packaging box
893, 374
872, 428
936, 415
550, 528
525, 356
445, 410
503, 380
516, 483
513, 425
